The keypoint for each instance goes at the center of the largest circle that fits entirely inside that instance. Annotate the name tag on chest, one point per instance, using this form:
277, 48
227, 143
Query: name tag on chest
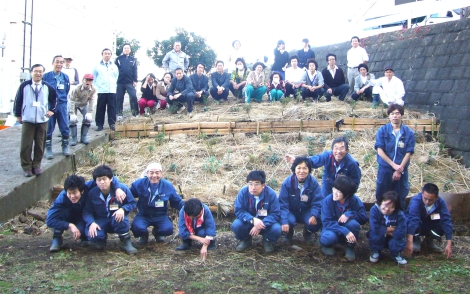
113, 207
401, 144
60, 87
435, 216
304, 198
159, 203
262, 212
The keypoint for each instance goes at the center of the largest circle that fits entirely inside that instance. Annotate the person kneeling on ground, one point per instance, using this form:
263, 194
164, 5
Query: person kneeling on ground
103, 213
258, 213
387, 228
66, 210
154, 193
82, 98
196, 223
342, 215
255, 83
276, 88
428, 216
300, 200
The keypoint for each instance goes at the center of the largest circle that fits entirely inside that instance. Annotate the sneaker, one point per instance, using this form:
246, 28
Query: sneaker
147, 112
374, 257
119, 118
167, 105
190, 114
37, 171
399, 259
28, 173
157, 106
99, 128
182, 108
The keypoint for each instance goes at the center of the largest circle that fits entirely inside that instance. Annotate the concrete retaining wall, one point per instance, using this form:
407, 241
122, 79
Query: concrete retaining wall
17, 192
434, 64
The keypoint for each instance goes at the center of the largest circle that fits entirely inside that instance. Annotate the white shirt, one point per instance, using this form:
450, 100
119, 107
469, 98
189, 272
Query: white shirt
393, 89
357, 56
294, 75
332, 71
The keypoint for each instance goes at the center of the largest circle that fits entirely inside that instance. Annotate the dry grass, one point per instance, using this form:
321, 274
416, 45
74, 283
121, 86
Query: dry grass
213, 168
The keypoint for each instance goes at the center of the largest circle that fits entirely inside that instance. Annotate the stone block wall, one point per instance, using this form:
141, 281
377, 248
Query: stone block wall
434, 64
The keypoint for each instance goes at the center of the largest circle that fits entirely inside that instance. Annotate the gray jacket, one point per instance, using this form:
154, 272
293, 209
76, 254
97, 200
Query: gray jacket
173, 60
33, 109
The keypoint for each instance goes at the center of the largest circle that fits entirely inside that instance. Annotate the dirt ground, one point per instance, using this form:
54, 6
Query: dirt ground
27, 266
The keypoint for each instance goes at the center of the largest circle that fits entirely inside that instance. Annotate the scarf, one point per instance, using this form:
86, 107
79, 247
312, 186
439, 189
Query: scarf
189, 222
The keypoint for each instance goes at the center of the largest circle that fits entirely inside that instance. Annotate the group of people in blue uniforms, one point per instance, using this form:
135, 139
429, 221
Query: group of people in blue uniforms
93, 209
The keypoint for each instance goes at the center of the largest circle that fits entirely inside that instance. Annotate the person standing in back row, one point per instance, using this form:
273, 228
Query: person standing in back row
60, 82
127, 80
356, 56
106, 74
35, 103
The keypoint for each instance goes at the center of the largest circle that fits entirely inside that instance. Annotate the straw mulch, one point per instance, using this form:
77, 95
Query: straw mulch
213, 168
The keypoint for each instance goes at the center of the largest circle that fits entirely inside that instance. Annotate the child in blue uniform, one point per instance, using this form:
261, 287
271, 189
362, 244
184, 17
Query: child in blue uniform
196, 223
387, 228
342, 215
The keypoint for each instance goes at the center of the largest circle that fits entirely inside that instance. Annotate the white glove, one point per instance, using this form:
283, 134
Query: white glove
73, 119
88, 118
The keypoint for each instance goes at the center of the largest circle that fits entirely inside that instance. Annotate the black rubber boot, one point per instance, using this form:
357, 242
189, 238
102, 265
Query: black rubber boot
158, 238
84, 133
73, 134
185, 245
49, 149
144, 239
127, 244
244, 244
65, 147
56, 241
212, 245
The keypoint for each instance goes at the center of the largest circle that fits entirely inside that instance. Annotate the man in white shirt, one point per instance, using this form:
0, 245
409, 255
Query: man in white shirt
294, 76
389, 89
356, 55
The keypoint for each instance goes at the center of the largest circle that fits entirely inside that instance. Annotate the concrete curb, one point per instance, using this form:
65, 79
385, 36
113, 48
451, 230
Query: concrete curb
28, 191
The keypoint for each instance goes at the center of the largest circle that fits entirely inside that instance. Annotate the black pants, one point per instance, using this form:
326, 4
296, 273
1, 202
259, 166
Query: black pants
106, 100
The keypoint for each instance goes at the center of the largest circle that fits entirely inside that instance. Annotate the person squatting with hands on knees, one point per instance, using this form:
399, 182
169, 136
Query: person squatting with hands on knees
104, 214
257, 211
300, 200
154, 194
